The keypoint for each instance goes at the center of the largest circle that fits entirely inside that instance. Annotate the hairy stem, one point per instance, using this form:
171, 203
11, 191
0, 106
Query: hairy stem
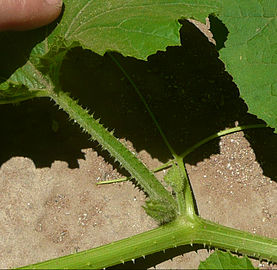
121, 154
219, 236
188, 202
177, 233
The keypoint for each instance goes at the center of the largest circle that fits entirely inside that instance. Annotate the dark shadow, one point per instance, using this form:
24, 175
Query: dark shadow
36, 129
264, 144
15, 47
219, 30
186, 87
156, 258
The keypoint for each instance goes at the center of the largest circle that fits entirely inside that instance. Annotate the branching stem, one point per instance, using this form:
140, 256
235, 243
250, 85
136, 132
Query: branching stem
187, 228
192, 148
177, 233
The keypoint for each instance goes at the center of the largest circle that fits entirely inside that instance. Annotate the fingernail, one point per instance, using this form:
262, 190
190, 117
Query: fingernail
57, 3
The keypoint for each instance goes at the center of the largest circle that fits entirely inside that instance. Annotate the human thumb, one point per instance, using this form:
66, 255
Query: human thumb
28, 14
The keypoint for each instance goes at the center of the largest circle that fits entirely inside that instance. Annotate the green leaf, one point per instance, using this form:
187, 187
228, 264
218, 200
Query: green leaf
250, 55
136, 28
160, 210
22, 70
17, 92
225, 260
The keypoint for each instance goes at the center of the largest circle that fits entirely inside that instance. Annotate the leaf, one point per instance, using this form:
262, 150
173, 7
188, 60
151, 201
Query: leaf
225, 260
22, 64
160, 210
16, 93
250, 55
136, 28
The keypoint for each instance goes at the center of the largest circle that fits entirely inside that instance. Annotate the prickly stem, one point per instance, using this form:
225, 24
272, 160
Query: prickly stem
118, 151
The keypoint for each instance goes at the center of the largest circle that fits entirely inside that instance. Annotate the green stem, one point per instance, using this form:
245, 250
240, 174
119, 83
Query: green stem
187, 202
181, 203
118, 180
164, 166
219, 236
220, 134
121, 154
194, 147
177, 233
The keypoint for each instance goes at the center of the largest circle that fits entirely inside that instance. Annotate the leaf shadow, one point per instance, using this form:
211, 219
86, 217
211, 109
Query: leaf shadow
188, 91
186, 87
219, 31
36, 129
16, 46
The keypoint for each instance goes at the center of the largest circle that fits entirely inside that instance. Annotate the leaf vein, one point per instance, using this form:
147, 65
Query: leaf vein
127, 7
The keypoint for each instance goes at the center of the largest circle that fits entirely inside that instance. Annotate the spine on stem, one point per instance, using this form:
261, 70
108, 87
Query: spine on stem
177, 233
124, 250
219, 236
137, 169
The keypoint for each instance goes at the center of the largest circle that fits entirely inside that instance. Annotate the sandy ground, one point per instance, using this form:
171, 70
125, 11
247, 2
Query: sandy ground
51, 206
55, 211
